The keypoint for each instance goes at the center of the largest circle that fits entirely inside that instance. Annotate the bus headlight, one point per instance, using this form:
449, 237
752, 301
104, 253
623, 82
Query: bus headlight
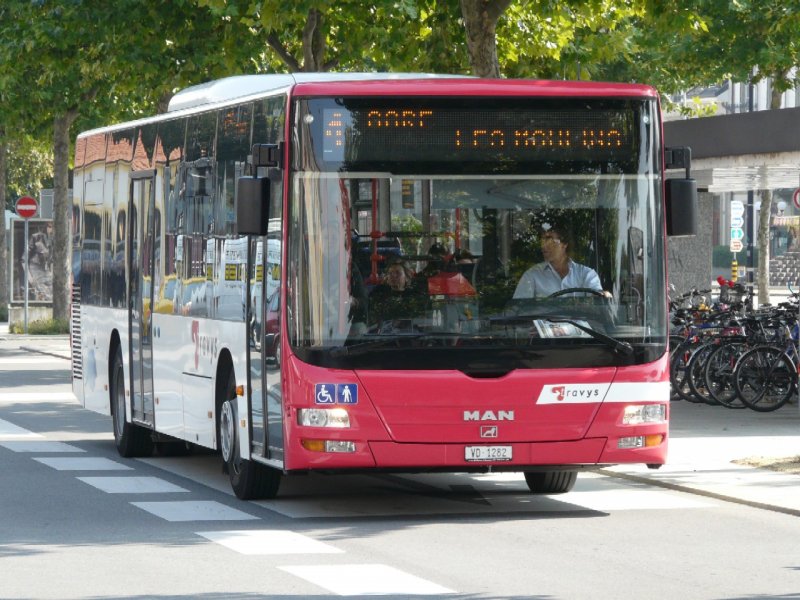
323, 417
644, 413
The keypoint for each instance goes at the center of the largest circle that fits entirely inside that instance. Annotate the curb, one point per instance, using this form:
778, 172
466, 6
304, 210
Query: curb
698, 492
45, 352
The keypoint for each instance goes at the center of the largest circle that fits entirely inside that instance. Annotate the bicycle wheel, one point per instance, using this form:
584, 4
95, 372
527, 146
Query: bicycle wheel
695, 372
679, 369
719, 374
765, 378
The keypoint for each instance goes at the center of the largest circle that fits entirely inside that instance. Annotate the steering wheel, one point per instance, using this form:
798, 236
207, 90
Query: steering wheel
575, 290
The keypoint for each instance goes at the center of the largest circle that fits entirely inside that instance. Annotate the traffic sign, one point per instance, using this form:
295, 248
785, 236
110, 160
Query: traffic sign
796, 198
736, 245
737, 208
27, 207
737, 233
737, 221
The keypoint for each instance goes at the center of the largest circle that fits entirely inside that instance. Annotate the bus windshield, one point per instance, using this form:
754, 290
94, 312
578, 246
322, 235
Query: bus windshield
487, 260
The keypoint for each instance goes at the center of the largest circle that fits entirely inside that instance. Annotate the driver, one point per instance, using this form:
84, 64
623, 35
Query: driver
558, 271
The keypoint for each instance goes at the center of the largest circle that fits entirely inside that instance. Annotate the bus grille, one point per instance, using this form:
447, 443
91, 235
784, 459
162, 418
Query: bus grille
75, 334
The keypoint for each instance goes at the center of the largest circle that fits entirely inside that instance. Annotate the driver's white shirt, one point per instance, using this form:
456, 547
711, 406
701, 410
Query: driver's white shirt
542, 280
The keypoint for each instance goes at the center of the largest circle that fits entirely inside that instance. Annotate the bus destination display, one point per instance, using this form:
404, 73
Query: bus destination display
408, 133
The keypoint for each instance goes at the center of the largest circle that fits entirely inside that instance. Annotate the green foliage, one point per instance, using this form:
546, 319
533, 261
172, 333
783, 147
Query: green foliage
565, 39
29, 168
42, 327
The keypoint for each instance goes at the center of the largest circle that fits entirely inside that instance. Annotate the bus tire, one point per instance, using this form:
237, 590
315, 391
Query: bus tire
249, 479
551, 482
131, 439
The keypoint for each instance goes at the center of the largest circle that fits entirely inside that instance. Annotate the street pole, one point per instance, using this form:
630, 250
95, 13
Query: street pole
27, 269
750, 228
750, 242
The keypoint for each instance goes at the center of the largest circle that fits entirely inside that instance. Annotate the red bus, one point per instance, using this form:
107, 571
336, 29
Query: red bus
380, 272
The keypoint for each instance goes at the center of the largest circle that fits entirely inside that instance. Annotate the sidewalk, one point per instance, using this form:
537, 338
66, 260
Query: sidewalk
704, 440
55, 345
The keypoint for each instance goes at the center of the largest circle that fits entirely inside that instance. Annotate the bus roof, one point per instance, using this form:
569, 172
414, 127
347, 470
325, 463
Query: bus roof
239, 86
423, 84
242, 88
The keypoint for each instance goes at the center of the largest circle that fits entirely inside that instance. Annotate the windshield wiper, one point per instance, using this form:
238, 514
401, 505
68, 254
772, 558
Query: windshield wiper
618, 345
388, 340
382, 340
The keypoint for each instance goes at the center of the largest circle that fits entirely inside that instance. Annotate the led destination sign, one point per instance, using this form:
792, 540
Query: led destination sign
337, 128
379, 132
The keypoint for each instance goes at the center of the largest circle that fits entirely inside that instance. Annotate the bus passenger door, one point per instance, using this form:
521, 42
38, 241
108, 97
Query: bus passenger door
264, 352
140, 294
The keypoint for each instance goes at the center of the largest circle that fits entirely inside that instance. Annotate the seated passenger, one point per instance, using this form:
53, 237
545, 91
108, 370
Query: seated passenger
397, 297
558, 271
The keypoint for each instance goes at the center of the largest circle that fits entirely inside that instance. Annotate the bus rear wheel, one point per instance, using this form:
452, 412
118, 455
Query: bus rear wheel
131, 439
551, 482
249, 479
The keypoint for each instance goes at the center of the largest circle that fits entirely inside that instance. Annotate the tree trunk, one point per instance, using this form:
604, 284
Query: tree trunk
480, 23
764, 216
313, 42
4, 296
62, 216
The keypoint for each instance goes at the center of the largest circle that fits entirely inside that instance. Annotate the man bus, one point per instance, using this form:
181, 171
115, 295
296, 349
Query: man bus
328, 170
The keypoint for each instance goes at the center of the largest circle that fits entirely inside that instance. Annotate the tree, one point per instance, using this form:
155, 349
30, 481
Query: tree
61, 72
702, 42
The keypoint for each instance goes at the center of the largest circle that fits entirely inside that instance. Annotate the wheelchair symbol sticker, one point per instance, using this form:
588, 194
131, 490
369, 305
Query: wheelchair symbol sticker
347, 393
324, 393
336, 393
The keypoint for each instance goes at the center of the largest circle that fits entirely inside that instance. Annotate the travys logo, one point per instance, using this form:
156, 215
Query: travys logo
573, 393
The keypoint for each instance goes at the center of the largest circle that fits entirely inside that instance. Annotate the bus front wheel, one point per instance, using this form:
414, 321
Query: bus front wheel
551, 482
249, 480
131, 439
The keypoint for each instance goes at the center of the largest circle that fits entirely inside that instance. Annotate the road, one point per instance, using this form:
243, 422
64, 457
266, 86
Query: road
78, 521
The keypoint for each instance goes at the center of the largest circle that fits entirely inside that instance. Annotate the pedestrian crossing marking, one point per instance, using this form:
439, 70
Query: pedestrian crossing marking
25, 397
268, 541
368, 579
9, 431
41, 447
32, 360
194, 510
89, 463
132, 485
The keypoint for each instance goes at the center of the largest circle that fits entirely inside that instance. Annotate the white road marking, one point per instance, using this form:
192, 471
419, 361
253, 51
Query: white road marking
194, 510
9, 431
89, 463
355, 580
268, 541
43, 446
23, 397
132, 485
35, 359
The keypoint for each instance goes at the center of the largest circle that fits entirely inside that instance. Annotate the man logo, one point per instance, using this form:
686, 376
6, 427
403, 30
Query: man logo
489, 431
489, 415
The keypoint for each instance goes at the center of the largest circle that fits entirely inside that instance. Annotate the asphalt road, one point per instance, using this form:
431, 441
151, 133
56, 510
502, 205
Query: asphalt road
78, 521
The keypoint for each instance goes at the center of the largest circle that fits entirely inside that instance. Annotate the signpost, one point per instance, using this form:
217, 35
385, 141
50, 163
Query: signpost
26, 208
737, 233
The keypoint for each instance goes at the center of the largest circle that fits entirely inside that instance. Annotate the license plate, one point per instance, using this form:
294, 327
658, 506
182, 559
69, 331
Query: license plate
472, 453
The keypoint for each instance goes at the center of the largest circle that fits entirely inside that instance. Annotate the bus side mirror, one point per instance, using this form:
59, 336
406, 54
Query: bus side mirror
681, 194
252, 205
681, 207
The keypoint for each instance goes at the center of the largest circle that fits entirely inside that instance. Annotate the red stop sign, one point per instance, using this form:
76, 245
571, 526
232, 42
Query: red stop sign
27, 207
